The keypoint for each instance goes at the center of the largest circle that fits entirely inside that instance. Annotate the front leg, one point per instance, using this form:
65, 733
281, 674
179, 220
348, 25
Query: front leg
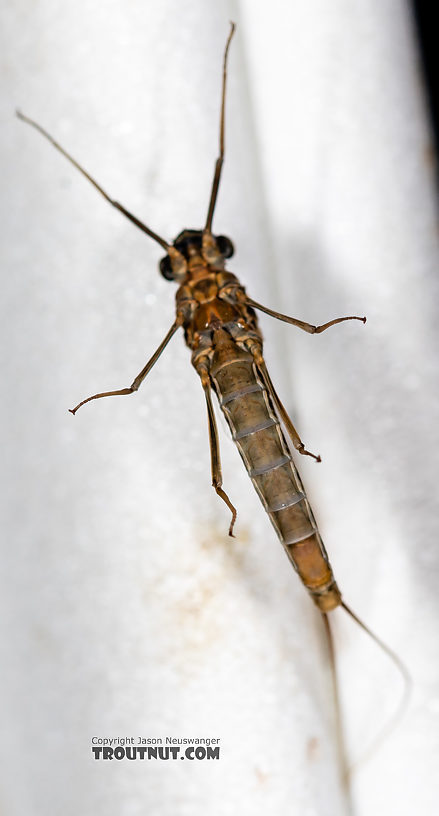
135, 385
301, 324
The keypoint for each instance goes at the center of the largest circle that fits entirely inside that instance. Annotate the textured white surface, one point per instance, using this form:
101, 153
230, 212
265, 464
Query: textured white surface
125, 608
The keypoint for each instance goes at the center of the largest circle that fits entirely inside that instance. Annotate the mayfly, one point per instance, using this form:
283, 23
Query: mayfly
221, 329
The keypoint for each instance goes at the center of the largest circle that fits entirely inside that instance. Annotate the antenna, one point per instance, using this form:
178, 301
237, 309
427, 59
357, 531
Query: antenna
220, 159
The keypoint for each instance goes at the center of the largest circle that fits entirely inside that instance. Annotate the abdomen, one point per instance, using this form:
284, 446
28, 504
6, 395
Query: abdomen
259, 437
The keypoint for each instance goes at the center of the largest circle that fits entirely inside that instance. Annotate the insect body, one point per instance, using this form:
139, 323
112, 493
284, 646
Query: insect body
221, 329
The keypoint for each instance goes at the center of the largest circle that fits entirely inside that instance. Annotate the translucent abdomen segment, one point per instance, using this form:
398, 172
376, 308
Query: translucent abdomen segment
256, 430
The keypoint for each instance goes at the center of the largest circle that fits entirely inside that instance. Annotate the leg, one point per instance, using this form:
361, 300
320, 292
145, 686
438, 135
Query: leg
215, 460
140, 377
308, 327
294, 436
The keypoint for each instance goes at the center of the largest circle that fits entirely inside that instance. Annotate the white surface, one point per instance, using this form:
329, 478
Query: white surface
125, 608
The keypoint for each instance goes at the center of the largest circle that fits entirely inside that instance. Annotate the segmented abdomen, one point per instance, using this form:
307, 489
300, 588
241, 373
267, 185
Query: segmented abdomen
255, 428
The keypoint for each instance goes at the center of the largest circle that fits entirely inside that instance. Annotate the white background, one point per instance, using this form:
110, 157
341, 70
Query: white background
126, 609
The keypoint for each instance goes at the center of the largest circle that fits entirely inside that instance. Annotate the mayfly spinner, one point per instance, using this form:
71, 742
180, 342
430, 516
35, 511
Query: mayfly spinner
221, 329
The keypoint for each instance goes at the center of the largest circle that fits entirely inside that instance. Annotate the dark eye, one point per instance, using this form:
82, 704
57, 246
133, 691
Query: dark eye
166, 268
225, 246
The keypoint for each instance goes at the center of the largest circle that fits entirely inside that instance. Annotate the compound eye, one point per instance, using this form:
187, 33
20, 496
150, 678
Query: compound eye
166, 268
225, 246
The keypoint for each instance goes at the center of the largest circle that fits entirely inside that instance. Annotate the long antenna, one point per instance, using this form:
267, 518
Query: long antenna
113, 203
220, 159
